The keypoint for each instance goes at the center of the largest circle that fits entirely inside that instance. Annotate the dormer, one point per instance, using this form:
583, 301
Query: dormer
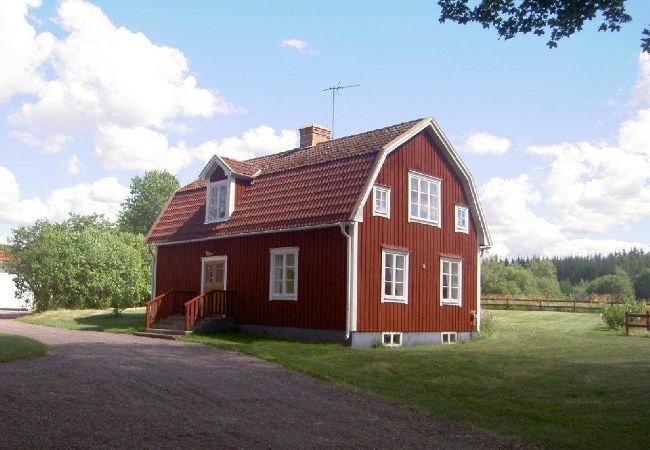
223, 175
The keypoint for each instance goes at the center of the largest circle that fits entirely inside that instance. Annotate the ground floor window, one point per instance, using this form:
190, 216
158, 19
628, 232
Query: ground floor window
391, 339
284, 274
451, 272
448, 337
394, 276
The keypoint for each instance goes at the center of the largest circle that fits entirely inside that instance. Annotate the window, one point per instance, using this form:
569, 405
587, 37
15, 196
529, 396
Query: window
381, 197
284, 274
462, 219
218, 202
424, 199
448, 337
394, 276
391, 339
451, 272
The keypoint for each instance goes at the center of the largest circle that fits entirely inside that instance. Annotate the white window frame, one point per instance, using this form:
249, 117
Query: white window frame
392, 341
430, 180
458, 209
283, 251
394, 298
230, 199
448, 335
452, 302
376, 190
206, 259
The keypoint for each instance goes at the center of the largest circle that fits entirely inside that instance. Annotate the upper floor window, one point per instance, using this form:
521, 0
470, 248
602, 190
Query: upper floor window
462, 219
424, 199
284, 274
381, 195
218, 201
451, 274
394, 276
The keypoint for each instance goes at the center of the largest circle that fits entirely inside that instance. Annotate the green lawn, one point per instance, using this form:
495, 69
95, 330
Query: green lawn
559, 380
13, 348
131, 320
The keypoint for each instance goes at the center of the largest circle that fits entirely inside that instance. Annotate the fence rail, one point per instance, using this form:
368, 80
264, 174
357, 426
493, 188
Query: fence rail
592, 304
632, 321
211, 304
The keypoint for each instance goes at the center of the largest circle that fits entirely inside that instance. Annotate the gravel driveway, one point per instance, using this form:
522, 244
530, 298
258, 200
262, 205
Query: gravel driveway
101, 390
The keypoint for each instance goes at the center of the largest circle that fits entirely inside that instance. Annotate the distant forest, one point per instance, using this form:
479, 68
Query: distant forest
625, 274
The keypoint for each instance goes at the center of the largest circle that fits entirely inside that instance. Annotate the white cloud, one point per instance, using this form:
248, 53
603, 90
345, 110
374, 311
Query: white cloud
99, 75
259, 141
641, 90
484, 143
103, 196
72, 164
518, 231
140, 148
49, 144
297, 44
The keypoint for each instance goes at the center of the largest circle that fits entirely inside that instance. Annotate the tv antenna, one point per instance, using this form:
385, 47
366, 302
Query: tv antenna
336, 90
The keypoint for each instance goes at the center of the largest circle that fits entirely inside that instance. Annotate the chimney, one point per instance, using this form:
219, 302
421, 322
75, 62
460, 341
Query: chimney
313, 134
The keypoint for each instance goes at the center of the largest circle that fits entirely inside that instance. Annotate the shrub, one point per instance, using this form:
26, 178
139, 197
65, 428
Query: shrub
614, 284
488, 322
614, 315
642, 284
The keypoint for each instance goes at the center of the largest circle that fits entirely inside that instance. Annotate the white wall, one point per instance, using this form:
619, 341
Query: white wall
7, 292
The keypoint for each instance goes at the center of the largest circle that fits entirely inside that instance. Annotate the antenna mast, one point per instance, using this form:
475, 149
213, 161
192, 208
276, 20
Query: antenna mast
335, 90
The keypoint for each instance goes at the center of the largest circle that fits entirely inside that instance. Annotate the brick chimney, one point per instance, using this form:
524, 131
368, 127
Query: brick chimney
313, 134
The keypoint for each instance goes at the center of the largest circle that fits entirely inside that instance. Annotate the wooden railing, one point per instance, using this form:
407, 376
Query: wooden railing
631, 320
166, 305
522, 302
210, 304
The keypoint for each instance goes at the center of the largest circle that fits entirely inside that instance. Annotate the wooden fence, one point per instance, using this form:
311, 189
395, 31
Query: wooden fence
529, 303
632, 321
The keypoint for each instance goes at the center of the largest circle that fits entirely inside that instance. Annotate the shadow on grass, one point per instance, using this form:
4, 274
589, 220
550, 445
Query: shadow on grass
125, 323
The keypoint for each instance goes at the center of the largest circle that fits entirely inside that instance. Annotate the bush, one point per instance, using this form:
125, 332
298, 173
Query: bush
618, 284
642, 284
488, 322
614, 315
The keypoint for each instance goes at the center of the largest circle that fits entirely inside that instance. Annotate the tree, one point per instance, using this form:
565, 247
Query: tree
642, 285
562, 18
148, 196
83, 262
618, 284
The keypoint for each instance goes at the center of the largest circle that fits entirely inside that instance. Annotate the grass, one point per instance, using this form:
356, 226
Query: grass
559, 380
130, 320
14, 348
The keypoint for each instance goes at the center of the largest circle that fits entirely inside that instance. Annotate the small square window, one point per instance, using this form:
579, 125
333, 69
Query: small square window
462, 219
448, 337
381, 201
391, 339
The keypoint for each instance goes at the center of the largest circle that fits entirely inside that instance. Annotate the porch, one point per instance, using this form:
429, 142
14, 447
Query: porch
179, 312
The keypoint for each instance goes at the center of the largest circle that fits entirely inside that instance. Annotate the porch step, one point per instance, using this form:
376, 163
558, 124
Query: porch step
168, 331
149, 334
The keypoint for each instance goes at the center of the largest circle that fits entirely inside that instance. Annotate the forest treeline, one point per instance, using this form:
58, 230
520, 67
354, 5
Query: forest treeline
625, 274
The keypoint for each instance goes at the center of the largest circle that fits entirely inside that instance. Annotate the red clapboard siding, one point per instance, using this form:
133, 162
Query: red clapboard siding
425, 244
321, 276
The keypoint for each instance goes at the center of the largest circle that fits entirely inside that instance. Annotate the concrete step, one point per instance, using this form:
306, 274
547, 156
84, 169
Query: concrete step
156, 335
166, 331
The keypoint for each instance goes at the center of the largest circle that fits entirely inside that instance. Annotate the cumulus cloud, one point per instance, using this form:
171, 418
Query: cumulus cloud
297, 44
99, 74
140, 148
72, 164
103, 196
517, 230
53, 143
485, 143
641, 90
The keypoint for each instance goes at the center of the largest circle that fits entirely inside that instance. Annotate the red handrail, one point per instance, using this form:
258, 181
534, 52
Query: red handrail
166, 304
211, 304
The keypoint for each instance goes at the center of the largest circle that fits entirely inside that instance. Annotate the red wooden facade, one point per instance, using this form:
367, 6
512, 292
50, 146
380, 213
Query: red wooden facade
425, 244
305, 198
321, 276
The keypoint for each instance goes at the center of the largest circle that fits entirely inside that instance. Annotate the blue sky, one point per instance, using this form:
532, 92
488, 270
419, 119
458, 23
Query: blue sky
558, 140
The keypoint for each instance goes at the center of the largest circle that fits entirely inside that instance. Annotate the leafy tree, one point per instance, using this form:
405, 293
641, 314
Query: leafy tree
83, 262
642, 285
148, 196
562, 18
613, 284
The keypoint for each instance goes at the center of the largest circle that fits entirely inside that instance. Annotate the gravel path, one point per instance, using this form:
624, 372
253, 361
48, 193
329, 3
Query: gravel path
101, 390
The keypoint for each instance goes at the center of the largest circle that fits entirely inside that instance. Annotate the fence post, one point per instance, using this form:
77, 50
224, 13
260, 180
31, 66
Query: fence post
627, 329
647, 320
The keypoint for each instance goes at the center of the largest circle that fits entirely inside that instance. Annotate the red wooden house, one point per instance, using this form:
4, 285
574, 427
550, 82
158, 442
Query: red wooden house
368, 238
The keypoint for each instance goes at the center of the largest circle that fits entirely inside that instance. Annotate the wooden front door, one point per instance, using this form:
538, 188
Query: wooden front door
214, 274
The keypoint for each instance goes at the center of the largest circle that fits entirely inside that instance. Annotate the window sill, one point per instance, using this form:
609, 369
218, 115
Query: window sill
280, 299
462, 231
451, 304
401, 301
376, 214
424, 222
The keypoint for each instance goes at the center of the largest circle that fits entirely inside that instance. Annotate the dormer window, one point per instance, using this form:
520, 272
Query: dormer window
217, 208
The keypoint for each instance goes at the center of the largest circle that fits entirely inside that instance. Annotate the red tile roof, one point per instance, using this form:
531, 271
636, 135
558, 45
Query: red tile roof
303, 187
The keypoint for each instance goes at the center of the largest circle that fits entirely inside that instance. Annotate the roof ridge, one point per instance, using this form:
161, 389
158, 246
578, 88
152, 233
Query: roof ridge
298, 149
